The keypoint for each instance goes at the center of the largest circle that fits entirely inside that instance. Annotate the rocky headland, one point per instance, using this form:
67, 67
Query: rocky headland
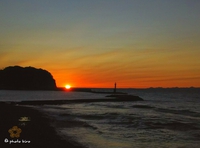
26, 78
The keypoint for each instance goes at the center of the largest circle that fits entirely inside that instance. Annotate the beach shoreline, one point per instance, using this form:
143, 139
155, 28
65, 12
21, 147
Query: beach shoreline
36, 131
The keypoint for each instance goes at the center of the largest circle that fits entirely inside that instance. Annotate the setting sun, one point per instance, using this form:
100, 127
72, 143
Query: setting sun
67, 86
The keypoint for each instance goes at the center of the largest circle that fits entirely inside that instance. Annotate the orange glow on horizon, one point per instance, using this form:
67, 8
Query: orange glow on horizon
124, 83
100, 80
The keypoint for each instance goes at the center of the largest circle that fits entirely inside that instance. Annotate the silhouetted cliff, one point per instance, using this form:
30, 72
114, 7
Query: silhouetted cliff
27, 78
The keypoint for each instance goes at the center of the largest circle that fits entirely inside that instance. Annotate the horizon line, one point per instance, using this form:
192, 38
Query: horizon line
130, 87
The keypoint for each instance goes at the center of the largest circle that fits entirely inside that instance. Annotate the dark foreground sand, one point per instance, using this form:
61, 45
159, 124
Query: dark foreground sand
38, 130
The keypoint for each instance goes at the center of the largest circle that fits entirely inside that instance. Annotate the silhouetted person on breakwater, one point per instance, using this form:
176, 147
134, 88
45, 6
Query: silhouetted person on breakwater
115, 87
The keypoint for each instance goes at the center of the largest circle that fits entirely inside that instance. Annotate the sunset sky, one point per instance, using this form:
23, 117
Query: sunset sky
95, 43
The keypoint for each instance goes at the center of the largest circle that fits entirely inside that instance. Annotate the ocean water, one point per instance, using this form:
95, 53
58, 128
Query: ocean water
168, 118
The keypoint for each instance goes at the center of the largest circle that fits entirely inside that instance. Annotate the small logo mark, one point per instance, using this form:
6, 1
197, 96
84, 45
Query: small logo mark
24, 119
15, 132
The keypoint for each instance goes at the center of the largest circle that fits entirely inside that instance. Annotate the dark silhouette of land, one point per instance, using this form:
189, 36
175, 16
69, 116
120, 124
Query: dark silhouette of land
125, 97
27, 78
118, 98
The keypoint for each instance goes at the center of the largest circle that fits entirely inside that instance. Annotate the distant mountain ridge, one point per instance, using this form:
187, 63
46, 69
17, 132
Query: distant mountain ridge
26, 78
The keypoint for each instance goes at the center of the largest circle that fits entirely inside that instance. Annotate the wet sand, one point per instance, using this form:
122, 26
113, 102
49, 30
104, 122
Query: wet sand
37, 131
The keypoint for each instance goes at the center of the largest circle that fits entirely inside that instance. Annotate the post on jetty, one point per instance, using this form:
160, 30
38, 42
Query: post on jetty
115, 87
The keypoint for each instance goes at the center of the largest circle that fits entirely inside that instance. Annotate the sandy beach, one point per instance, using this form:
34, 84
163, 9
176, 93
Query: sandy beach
36, 132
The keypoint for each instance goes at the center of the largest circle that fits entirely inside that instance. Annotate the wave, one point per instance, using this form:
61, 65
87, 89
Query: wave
173, 125
72, 123
172, 111
143, 106
181, 112
108, 105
